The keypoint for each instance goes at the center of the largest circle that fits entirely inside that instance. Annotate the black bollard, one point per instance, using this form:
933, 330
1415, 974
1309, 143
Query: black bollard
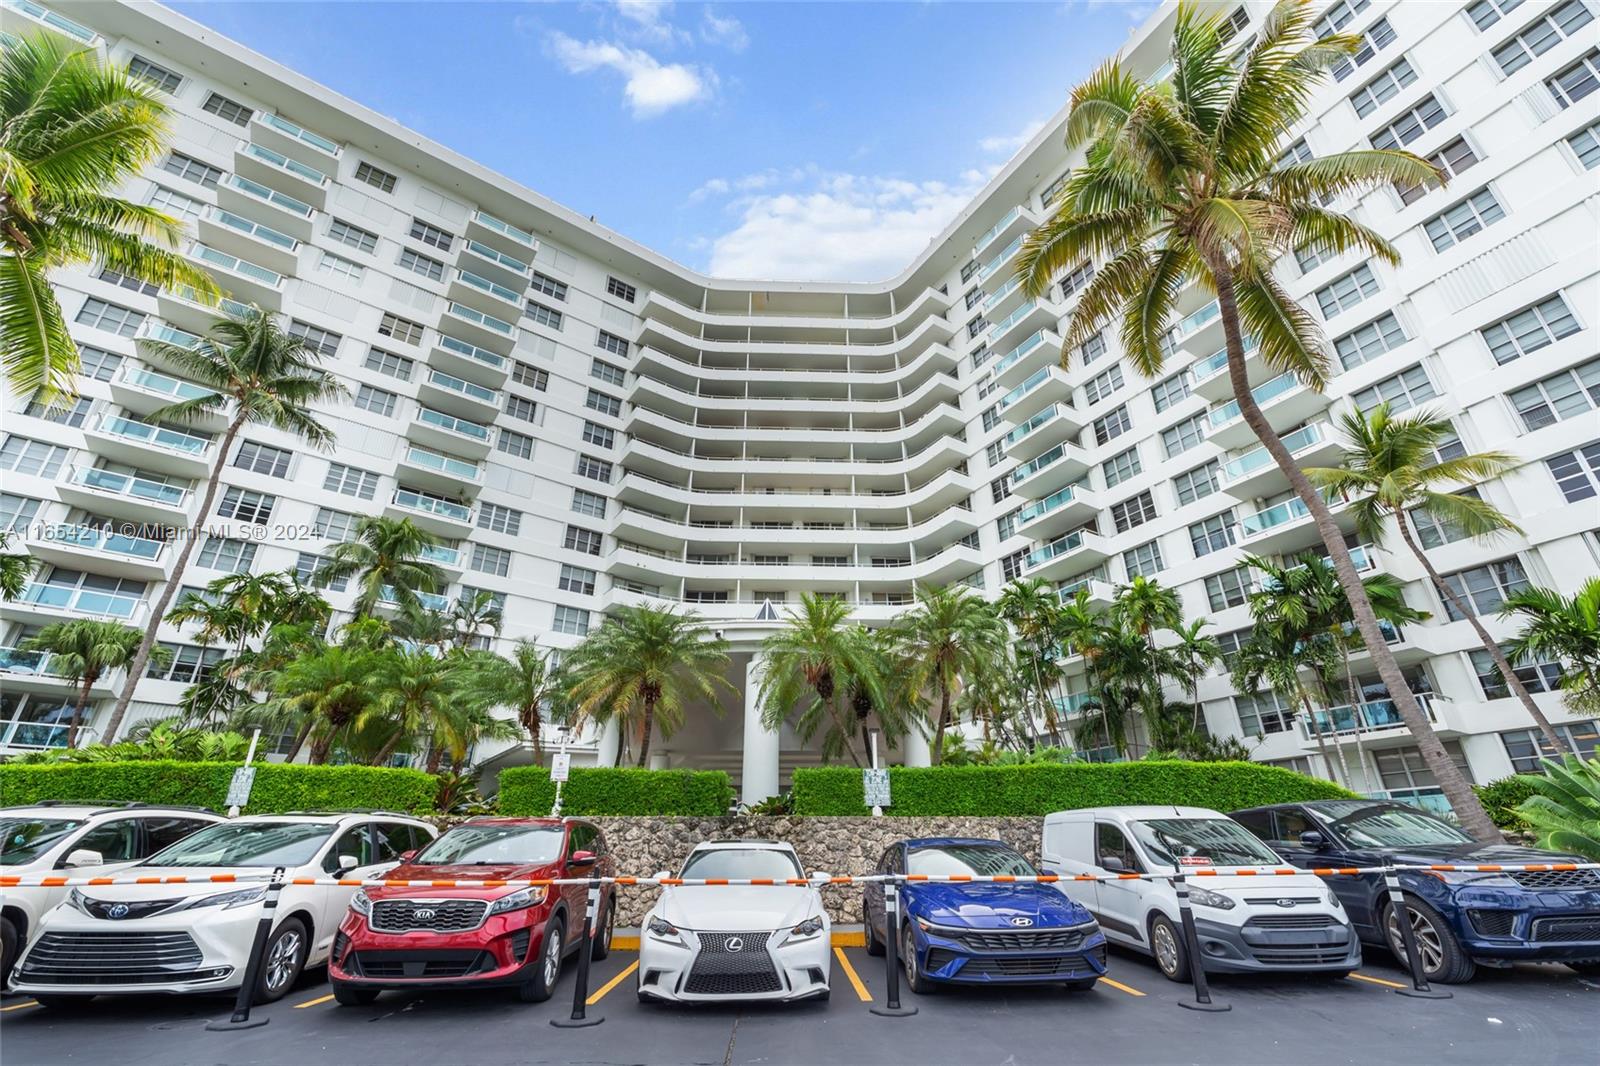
1408, 937
580, 988
891, 955
252, 971
1191, 947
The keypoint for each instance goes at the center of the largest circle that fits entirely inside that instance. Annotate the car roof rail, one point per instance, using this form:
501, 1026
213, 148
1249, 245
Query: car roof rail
358, 810
108, 804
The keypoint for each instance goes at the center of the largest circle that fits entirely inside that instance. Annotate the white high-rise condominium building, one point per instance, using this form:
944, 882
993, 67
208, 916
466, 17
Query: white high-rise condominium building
587, 424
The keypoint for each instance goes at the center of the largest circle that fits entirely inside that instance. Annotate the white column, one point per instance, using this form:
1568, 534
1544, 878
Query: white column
606, 745
916, 748
760, 743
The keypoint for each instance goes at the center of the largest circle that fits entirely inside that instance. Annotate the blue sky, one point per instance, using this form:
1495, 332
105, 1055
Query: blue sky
768, 140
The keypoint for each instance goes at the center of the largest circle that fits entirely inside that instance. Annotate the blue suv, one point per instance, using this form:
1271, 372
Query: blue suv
982, 932
1461, 920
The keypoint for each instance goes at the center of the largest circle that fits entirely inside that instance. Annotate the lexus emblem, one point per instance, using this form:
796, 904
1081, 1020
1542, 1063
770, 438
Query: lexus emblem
1021, 921
423, 914
736, 943
117, 910
1285, 903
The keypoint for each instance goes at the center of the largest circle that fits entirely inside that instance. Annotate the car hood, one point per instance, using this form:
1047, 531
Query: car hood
987, 905
467, 872
1473, 854
738, 907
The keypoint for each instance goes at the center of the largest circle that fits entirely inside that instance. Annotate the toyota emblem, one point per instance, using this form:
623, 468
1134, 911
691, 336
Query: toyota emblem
1285, 902
1021, 921
423, 914
735, 943
117, 910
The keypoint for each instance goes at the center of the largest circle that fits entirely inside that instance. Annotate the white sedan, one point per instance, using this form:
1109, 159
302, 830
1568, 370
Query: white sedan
708, 943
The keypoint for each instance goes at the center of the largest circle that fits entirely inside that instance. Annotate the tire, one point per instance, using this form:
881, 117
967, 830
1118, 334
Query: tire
1443, 959
1166, 947
915, 980
56, 1001
547, 967
281, 964
1587, 969
10, 941
346, 996
1080, 985
600, 946
874, 945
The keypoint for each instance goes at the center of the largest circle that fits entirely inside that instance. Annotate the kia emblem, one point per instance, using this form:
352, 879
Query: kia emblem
1021, 921
423, 914
117, 910
735, 943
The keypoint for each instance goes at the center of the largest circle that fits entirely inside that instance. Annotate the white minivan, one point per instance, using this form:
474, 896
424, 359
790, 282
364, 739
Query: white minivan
1244, 924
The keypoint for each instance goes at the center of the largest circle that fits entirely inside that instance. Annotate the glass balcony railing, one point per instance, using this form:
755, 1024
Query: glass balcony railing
442, 556
994, 231
452, 424
254, 229
94, 538
1055, 549
1259, 458
1073, 703
416, 501
1189, 326
299, 133
154, 330
163, 385
444, 464
156, 436
234, 265
465, 388
431, 600
33, 663
1375, 714
1014, 317
1049, 414
49, 18
994, 264
1035, 379
128, 486
270, 196
1282, 514
1069, 591
80, 600
1217, 361
994, 298
227, 306
471, 351
27, 733
1033, 466
283, 162
522, 236
483, 251
489, 322
1038, 508
1032, 341
483, 284
1271, 390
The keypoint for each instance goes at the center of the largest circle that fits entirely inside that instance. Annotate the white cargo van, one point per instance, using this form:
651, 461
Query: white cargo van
1244, 924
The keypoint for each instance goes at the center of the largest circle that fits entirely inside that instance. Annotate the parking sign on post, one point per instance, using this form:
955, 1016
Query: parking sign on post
875, 786
239, 788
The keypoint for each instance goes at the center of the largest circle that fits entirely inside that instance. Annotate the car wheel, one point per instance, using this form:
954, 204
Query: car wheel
1588, 969
60, 1002
282, 962
1443, 959
547, 968
1166, 944
346, 996
908, 960
600, 944
8, 949
874, 945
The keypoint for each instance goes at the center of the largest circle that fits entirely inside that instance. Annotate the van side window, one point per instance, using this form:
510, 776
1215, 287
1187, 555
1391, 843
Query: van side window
1258, 822
1292, 821
1111, 844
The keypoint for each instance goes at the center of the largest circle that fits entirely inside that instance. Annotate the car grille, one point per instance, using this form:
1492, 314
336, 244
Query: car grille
112, 958
718, 971
432, 915
101, 908
1027, 966
1558, 878
1571, 930
1278, 901
419, 965
1493, 923
1300, 955
1292, 921
1032, 940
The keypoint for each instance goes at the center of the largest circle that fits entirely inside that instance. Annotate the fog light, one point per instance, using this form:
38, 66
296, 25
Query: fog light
1214, 948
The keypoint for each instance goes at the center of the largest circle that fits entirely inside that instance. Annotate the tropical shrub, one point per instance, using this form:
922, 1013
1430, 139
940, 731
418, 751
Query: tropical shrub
1564, 810
528, 790
278, 787
1502, 798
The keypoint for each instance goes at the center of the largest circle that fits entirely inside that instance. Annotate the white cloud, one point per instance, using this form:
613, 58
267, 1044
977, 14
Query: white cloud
1009, 145
647, 20
724, 30
652, 87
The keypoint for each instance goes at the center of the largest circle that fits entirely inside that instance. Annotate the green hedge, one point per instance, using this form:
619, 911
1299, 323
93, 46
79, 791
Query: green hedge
278, 788
1040, 789
528, 790
1502, 798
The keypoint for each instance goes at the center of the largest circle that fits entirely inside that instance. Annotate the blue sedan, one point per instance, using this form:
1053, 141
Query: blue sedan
982, 932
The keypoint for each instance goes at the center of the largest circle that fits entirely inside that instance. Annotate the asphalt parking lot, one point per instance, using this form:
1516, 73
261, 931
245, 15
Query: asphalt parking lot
1533, 1014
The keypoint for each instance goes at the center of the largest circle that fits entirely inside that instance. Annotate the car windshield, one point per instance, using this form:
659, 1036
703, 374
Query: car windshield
23, 840
247, 844
494, 845
1201, 842
742, 863
1396, 827
962, 860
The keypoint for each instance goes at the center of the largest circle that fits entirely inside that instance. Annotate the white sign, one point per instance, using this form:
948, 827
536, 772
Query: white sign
239, 788
875, 784
560, 766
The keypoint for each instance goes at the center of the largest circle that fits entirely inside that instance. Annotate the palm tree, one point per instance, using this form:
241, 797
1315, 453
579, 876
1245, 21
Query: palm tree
264, 376
415, 692
527, 681
1564, 810
326, 693
643, 666
1145, 605
1559, 628
1182, 186
385, 557
951, 633
1194, 654
1390, 468
84, 651
15, 569
1124, 680
814, 664
1275, 653
1032, 607
473, 612
72, 132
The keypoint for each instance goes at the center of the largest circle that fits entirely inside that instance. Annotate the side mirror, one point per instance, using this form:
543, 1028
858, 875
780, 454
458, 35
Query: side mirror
84, 857
346, 864
1313, 840
1112, 863
818, 875
582, 858
407, 856
659, 874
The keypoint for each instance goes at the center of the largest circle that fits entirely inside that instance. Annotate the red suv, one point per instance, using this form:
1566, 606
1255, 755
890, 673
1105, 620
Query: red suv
477, 937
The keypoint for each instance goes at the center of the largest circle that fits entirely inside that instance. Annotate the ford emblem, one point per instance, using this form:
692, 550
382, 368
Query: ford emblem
1285, 903
423, 914
117, 910
735, 943
1021, 921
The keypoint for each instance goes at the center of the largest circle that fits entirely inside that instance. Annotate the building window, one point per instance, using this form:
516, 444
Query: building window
1011, 565
113, 318
573, 621
606, 405
1577, 473
1171, 390
225, 553
1577, 81
980, 355
354, 236
1412, 123
1569, 394
498, 519
531, 376
1452, 159
1377, 37
1103, 384
1048, 196
1433, 532
597, 469
97, 364
381, 180
1460, 221
515, 444
975, 326
431, 235
401, 329
995, 452
395, 366
973, 295
186, 663
621, 290
490, 560
1309, 257
1347, 290
611, 343
1000, 488
1535, 677
376, 400
1485, 588
1486, 13
191, 169
322, 341
1134, 511
1527, 747
349, 481
244, 505
991, 417
556, 290
1403, 769
598, 435
1530, 329
1229, 27
418, 263
968, 270
1229, 588
1077, 279
37, 458
228, 110
1111, 425
1585, 145
158, 76
609, 373
588, 503
986, 387
1183, 436
1382, 88
263, 459
339, 266
334, 525
1121, 467
1196, 484
1143, 561
1261, 713
1093, 348
63, 411
521, 408
1365, 343
576, 579
582, 540
1212, 534
1005, 526
138, 285
16, 512
1402, 392
1542, 34
176, 204
544, 316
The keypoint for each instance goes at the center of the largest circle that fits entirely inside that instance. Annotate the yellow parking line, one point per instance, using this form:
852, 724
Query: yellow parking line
19, 1006
1120, 987
855, 978
613, 983
313, 1002
1376, 980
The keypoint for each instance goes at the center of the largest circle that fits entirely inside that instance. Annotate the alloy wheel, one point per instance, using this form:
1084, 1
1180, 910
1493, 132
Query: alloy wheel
1429, 942
283, 960
552, 958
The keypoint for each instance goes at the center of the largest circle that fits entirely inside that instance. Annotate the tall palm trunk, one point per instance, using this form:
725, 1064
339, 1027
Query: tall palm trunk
644, 735
1316, 734
299, 741
937, 755
1513, 682
78, 708
158, 610
1368, 768
535, 725
1463, 801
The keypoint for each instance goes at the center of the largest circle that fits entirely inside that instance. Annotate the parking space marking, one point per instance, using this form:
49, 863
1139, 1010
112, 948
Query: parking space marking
313, 1002
1375, 980
855, 978
20, 1006
1120, 987
613, 983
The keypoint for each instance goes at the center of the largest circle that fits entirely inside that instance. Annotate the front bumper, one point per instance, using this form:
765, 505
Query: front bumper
496, 953
188, 952
697, 967
1251, 948
973, 956
1513, 924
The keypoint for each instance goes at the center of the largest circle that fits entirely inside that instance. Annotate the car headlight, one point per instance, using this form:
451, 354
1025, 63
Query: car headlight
361, 903
1207, 898
808, 928
227, 900
663, 930
1333, 901
78, 901
521, 899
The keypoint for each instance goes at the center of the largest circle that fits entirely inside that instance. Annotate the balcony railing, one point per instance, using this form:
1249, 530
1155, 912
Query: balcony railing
32, 663
431, 600
994, 231
299, 133
283, 162
81, 600
96, 538
1042, 507
1033, 466
489, 322
156, 330
1257, 458
442, 556
21, 733
164, 385
465, 388
483, 284
1265, 393
49, 18
522, 236
994, 298
471, 351
254, 229
156, 436
1218, 361
271, 196
1189, 326
128, 486
994, 264
1033, 341
1058, 547
1374, 714
483, 251
1290, 510
452, 424
1054, 411
443, 463
1014, 317
234, 265
416, 501
1037, 378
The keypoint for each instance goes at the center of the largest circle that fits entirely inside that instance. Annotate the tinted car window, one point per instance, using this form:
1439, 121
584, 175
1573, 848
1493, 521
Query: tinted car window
353, 842
246, 844
742, 863
1110, 842
1258, 822
23, 840
963, 860
116, 841
1292, 821
394, 839
578, 838
164, 832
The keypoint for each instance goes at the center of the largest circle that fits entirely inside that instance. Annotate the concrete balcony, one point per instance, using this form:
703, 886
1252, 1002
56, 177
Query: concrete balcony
1004, 298
143, 391
469, 362
483, 294
274, 169
1286, 528
436, 429
244, 280
1254, 474
453, 395
1048, 471
1283, 400
158, 448
1199, 331
190, 316
389, 600
495, 265
23, 17
1375, 719
1036, 349
1208, 378
1013, 224
939, 492
127, 496
478, 327
997, 262
1029, 317
255, 242
438, 471
1101, 593
41, 672
43, 603
1067, 556
295, 141
503, 236
1047, 386
282, 212
1066, 508
445, 558
1057, 424
99, 551
444, 518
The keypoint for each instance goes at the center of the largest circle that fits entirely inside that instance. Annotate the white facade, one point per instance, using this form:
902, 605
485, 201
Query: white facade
588, 423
